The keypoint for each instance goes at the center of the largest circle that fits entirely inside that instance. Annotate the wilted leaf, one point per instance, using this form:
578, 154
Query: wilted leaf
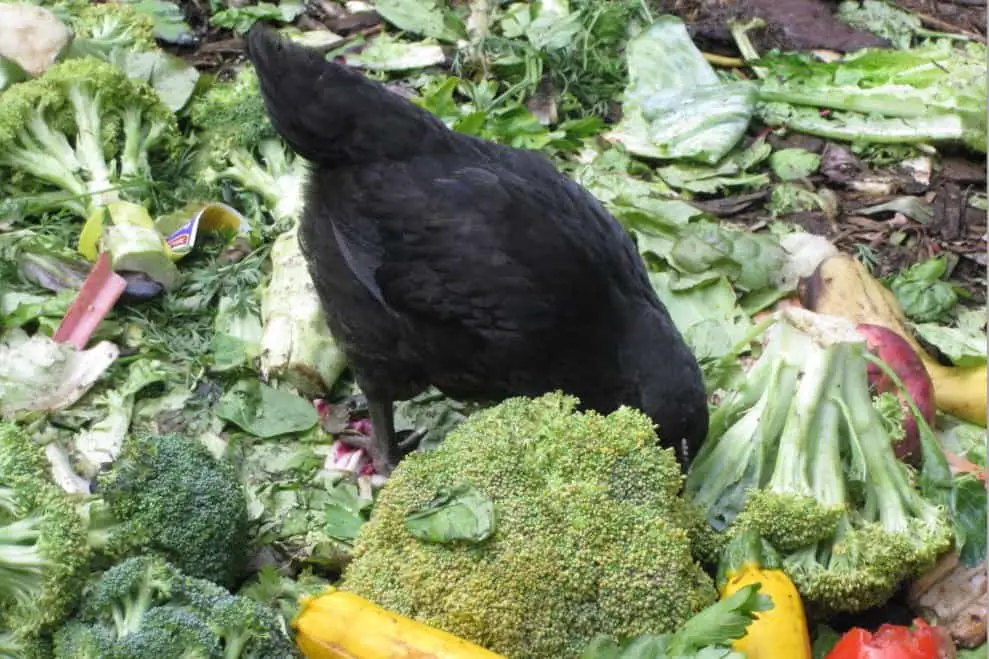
794, 164
169, 21
968, 508
924, 296
428, 18
675, 105
264, 411
455, 514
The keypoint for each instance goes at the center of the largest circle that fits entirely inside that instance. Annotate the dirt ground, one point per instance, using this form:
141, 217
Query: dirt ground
890, 240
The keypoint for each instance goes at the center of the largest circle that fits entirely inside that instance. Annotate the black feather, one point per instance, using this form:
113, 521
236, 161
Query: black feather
442, 259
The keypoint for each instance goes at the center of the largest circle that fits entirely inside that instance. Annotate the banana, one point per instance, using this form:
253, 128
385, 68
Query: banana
841, 286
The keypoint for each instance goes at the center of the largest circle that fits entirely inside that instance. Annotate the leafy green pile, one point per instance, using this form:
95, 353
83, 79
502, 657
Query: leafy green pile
174, 489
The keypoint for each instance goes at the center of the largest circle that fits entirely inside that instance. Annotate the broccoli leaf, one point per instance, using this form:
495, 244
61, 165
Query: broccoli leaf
962, 438
964, 344
922, 293
345, 512
749, 260
389, 54
888, 21
264, 411
968, 508
458, 513
733, 171
432, 414
707, 315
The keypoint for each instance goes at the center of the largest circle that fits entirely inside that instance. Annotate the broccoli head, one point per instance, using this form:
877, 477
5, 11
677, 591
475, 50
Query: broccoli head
591, 535
44, 557
169, 495
146, 607
241, 145
800, 454
77, 136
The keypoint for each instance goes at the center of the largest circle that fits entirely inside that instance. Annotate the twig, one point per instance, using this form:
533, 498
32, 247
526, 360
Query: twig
935, 22
724, 61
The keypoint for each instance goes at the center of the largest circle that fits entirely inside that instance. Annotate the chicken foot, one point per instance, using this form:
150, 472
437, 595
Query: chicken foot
384, 447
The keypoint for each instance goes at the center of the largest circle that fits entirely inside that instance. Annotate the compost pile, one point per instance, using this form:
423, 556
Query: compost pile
811, 207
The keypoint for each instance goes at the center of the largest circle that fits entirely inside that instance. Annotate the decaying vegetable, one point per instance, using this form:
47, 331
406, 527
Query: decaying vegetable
296, 344
954, 596
842, 286
781, 631
341, 625
39, 375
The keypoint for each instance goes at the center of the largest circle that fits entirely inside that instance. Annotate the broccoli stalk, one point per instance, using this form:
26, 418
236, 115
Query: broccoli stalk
759, 468
44, 557
890, 498
276, 176
240, 145
836, 502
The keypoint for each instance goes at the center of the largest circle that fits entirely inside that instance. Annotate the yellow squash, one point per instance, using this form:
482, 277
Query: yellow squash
780, 631
841, 286
341, 625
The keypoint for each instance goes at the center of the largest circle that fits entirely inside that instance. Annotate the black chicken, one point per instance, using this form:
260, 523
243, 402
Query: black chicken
446, 260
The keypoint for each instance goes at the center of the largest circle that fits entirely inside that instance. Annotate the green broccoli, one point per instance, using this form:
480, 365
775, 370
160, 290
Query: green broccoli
44, 558
103, 27
591, 535
145, 607
756, 461
282, 593
241, 145
13, 646
76, 137
169, 495
801, 455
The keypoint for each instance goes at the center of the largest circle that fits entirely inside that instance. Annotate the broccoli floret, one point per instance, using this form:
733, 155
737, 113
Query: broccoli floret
590, 533
282, 593
246, 629
44, 557
241, 145
818, 475
85, 131
172, 497
146, 607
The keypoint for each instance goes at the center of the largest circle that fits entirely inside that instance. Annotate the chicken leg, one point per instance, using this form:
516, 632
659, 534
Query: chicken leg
384, 447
